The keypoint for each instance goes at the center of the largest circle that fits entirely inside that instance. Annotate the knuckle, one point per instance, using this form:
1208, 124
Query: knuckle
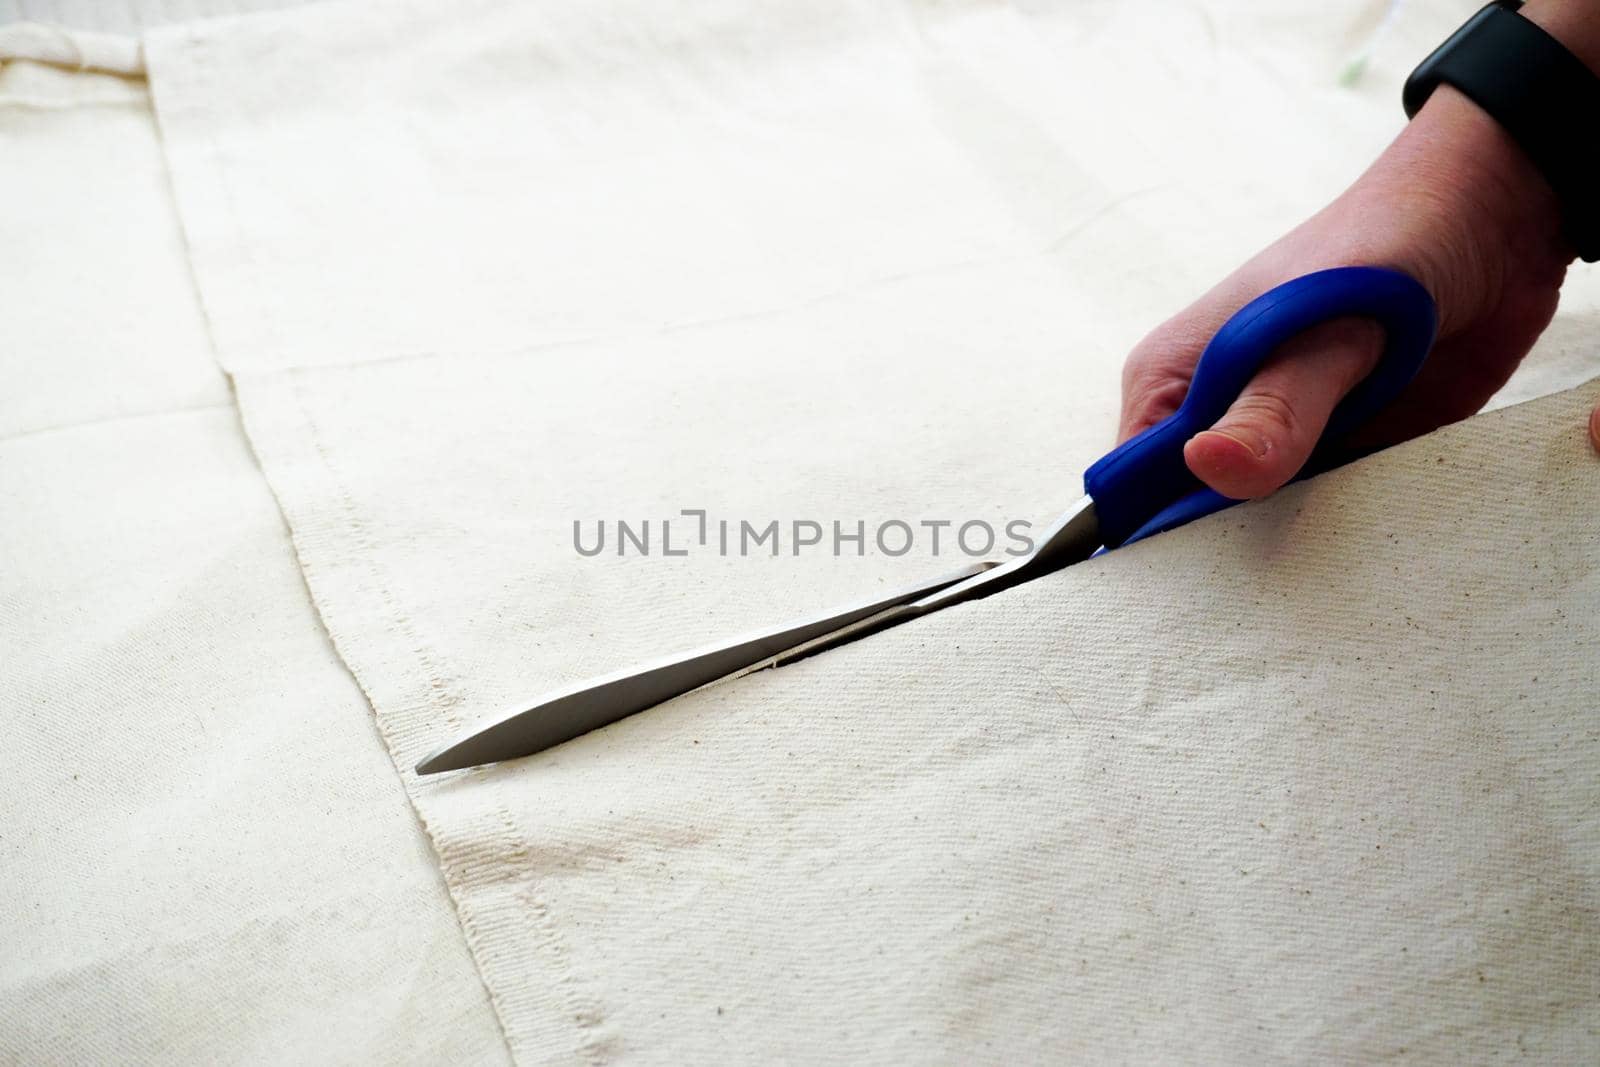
1272, 413
1139, 365
1150, 398
1164, 393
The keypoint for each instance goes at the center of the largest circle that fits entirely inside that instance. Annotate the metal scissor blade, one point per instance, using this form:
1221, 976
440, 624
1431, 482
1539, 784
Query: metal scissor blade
1072, 538
575, 710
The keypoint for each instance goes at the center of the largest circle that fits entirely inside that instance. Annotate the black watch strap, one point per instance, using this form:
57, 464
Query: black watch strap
1540, 93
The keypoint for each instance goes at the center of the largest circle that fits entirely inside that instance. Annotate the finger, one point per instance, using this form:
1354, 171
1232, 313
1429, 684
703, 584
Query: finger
1156, 377
1268, 433
1594, 428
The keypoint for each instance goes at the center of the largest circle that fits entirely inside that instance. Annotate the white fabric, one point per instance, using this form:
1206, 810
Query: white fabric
1305, 781
207, 858
73, 49
90, 18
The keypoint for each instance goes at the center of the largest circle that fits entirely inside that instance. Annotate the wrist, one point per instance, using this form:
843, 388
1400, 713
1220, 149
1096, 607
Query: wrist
1527, 176
1467, 199
1454, 145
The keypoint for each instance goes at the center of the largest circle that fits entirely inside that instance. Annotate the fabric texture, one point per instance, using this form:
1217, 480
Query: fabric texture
207, 856
1311, 780
81, 20
1304, 781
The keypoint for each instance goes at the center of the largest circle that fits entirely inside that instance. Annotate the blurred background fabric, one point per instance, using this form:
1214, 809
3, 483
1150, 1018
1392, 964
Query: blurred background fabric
334, 320
128, 17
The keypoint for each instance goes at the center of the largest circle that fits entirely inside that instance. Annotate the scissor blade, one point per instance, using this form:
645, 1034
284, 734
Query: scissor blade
1072, 538
573, 711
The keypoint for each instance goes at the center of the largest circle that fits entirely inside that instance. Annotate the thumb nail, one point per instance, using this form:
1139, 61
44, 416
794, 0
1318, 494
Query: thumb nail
1248, 436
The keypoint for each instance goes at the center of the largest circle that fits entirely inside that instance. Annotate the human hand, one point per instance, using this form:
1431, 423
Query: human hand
1452, 202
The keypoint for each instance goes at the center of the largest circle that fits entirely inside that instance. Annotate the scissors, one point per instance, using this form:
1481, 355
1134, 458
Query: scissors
1140, 488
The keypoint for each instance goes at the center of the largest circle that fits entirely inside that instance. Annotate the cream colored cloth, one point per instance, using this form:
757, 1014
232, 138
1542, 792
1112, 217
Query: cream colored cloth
207, 858
1308, 781
76, 20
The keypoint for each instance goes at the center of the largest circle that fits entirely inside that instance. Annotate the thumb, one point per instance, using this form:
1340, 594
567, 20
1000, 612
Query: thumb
1267, 435
1594, 428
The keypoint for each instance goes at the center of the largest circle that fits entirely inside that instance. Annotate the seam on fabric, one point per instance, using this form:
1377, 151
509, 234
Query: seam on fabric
72, 49
439, 695
39, 103
120, 416
582, 1009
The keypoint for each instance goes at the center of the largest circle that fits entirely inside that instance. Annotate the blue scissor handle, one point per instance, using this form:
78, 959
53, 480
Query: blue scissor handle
1143, 486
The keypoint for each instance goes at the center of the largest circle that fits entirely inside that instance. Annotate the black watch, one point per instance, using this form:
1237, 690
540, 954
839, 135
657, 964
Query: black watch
1540, 93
